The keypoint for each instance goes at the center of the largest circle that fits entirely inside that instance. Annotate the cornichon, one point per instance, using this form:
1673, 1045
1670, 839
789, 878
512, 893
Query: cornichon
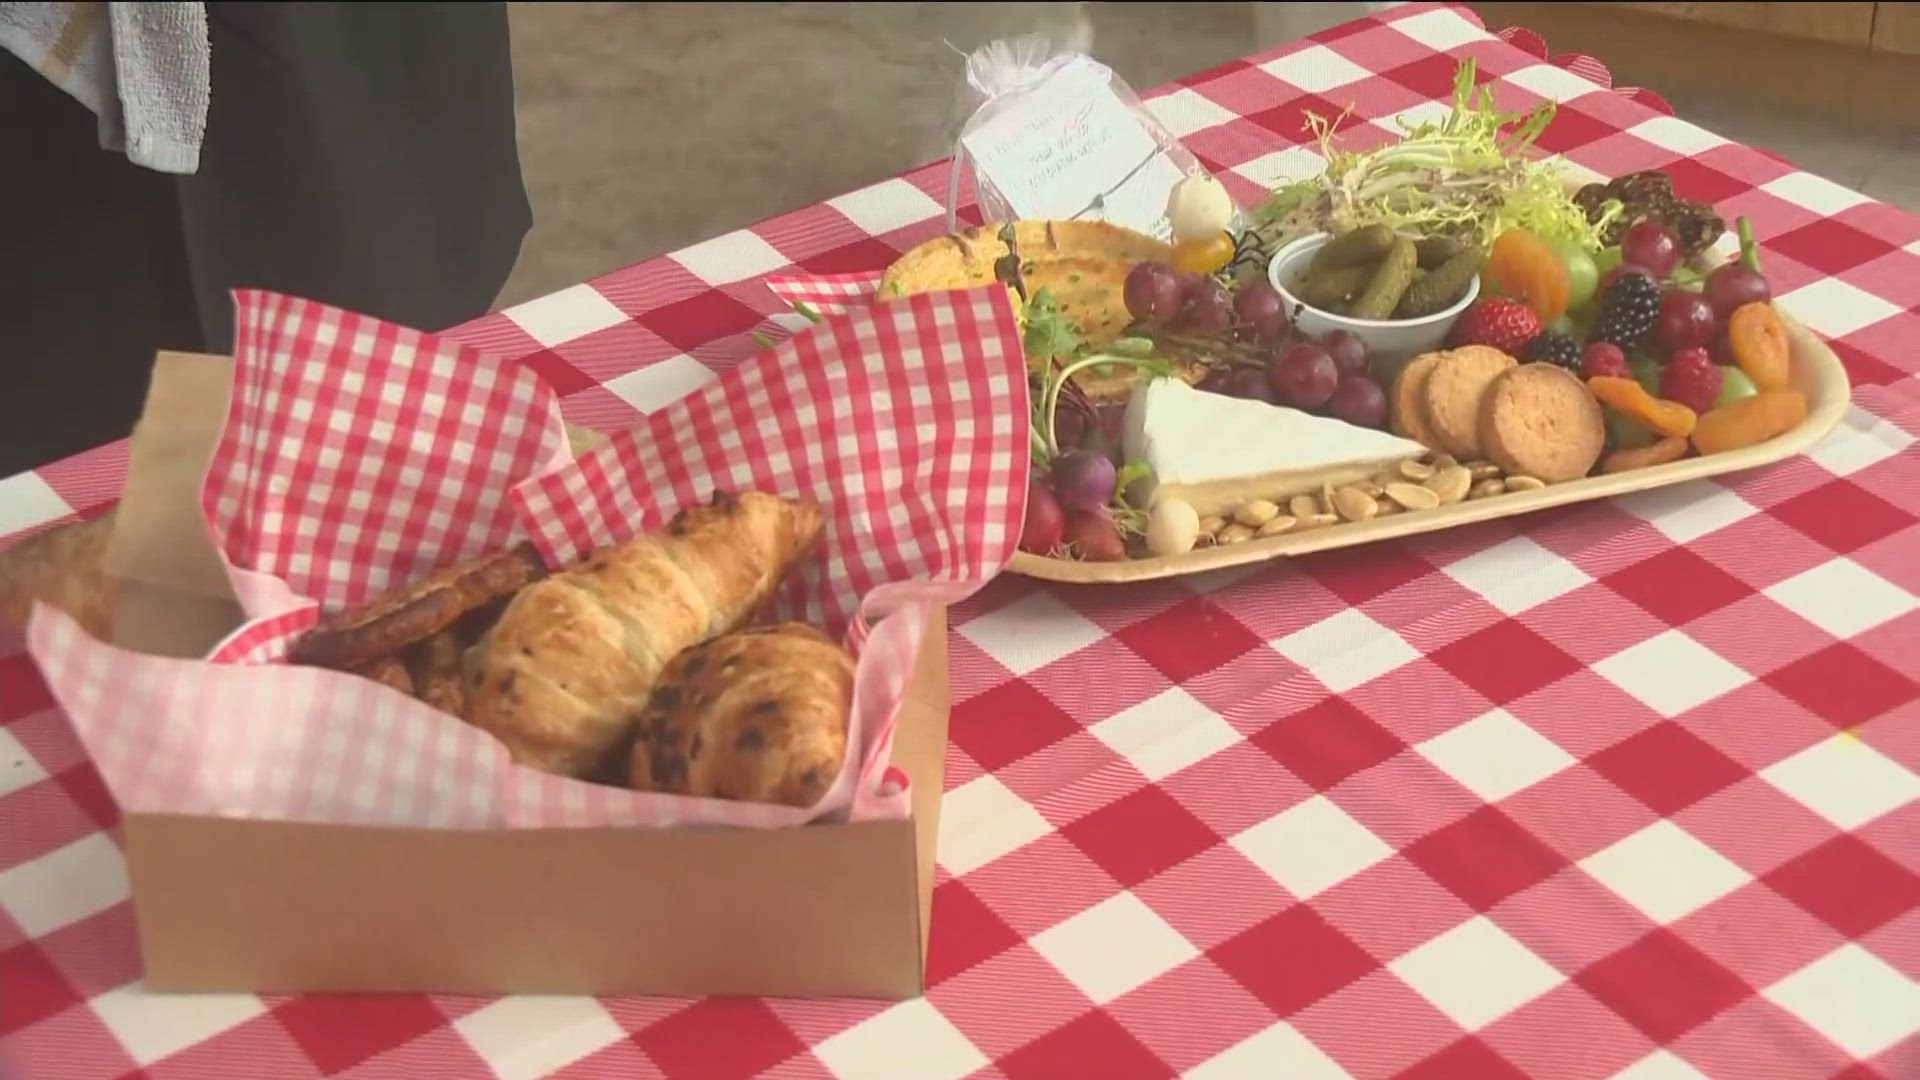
1389, 282
1352, 248
1435, 250
1441, 287
1324, 290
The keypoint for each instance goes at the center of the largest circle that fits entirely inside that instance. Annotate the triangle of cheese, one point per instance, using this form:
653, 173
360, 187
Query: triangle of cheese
1217, 452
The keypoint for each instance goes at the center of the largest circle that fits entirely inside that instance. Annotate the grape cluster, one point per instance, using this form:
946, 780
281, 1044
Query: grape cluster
1269, 359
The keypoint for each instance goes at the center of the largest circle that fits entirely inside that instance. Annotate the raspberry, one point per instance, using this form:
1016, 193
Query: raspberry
1604, 358
1554, 347
1506, 325
1692, 379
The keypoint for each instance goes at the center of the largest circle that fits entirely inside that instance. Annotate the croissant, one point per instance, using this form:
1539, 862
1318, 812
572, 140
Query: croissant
563, 675
758, 714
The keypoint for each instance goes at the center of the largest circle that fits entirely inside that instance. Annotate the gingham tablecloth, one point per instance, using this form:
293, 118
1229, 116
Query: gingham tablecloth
1621, 789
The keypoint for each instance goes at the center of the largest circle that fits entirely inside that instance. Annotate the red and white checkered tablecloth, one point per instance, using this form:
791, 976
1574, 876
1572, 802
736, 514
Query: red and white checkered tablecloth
1624, 789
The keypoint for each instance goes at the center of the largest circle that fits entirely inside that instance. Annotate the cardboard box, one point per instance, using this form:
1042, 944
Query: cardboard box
266, 906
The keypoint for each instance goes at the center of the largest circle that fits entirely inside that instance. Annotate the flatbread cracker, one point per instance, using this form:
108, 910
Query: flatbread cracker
1540, 420
1083, 265
1456, 392
964, 260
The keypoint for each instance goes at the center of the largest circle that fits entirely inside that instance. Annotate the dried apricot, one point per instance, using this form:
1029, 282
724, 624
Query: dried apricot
1526, 268
1749, 421
1758, 339
1671, 448
1631, 400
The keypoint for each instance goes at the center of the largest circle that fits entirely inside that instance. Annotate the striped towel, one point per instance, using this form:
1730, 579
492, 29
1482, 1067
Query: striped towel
141, 68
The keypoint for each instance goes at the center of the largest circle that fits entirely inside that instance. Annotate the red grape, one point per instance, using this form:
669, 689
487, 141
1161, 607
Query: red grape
1685, 320
1348, 351
1046, 521
1248, 382
1207, 309
1651, 244
1188, 283
1303, 376
1083, 479
1359, 400
1733, 285
1721, 349
1262, 314
1152, 292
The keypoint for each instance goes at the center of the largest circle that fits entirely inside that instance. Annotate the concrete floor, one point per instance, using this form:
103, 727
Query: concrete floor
646, 127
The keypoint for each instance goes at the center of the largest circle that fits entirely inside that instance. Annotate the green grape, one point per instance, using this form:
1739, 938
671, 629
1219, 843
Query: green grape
1734, 385
1583, 272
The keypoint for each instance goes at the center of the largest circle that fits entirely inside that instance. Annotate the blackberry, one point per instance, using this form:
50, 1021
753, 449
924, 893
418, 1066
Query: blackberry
1627, 310
1554, 347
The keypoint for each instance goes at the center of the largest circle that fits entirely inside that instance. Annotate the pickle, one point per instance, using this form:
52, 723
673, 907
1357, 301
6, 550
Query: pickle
1441, 287
1331, 287
1389, 282
1352, 248
1435, 250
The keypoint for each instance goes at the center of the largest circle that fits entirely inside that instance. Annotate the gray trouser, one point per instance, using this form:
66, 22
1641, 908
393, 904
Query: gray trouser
359, 154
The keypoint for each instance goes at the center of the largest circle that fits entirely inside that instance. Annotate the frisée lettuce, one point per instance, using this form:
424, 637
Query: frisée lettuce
1471, 176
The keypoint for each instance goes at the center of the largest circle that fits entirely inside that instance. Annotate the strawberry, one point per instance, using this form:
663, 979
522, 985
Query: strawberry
1506, 325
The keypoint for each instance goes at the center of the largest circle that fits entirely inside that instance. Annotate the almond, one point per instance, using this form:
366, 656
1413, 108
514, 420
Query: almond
1413, 496
1450, 484
1353, 504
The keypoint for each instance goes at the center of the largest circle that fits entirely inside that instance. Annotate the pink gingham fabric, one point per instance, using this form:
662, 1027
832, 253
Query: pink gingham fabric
352, 444
1625, 789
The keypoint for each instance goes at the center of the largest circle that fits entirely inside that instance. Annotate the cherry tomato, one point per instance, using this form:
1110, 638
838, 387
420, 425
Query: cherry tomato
1203, 256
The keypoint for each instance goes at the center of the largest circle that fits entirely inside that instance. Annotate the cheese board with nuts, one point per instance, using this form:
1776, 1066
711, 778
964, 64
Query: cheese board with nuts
1446, 329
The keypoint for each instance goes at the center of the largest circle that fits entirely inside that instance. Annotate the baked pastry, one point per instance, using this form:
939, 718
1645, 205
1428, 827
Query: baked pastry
388, 670
63, 566
1455, 393
438, 678
1540, 420
759, 715
398, 618
562, 676
1409, 406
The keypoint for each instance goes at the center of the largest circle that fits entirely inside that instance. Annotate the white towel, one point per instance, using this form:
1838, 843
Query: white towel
141, 68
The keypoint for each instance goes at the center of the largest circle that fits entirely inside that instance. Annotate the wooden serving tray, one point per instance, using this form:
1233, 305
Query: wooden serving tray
1816, 371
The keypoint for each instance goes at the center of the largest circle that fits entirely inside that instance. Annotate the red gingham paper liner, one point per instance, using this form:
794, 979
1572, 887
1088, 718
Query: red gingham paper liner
905, 424
359, 454
1198, 761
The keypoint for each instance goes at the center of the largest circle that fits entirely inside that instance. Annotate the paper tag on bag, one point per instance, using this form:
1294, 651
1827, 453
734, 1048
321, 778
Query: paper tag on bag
1068, 146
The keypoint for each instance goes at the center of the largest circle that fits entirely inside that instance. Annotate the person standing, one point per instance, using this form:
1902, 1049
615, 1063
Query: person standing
363, 155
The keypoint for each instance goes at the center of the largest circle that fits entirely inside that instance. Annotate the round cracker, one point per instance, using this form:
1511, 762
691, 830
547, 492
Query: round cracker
1455, 393
1540, 420
1409, 407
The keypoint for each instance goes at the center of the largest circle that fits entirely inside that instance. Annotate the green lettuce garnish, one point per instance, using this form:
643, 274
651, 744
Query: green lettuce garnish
1472, 175
1048, 332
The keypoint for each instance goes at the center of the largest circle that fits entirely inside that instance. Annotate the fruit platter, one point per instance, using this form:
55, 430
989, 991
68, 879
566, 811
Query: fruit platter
1445, 329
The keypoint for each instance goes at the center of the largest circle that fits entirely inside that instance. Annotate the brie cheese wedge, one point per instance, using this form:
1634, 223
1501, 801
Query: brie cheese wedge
1217, 452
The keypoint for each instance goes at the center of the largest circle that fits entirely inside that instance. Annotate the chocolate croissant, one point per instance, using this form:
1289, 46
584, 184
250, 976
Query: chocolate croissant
566, 671
759, 715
